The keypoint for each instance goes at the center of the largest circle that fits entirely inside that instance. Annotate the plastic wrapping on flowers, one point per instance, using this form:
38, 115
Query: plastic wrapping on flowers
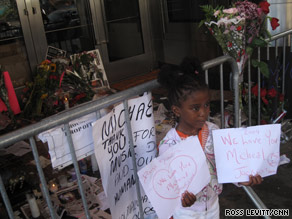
239, 29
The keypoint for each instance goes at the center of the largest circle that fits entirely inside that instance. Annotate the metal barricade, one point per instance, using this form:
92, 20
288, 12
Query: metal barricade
273, 43
94, 106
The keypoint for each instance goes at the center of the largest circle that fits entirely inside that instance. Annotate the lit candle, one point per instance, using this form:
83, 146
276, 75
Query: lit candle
53, 188
66, 102
35, 212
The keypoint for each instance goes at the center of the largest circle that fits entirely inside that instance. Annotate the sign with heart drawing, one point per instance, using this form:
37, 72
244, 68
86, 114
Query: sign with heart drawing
182, 167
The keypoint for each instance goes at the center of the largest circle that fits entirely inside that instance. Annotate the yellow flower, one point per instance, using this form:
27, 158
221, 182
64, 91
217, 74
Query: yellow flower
45, 62
44, 96
53, 67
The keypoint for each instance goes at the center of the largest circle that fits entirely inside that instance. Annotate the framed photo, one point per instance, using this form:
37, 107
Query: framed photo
55, 53
88, 65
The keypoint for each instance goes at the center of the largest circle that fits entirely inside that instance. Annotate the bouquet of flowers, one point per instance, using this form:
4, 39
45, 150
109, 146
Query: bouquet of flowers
39, 96
239, 29
54, 88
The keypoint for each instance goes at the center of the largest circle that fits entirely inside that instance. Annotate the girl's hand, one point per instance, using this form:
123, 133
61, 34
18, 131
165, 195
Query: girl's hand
253, 180
188, 199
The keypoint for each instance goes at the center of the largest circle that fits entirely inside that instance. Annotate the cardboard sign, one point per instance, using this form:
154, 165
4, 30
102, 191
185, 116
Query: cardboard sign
240, 152
182, 167
81, 132
114, 158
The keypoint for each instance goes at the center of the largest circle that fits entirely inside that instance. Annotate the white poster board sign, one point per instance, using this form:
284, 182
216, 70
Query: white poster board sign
112, 151
240, 152
81, 132
182, 167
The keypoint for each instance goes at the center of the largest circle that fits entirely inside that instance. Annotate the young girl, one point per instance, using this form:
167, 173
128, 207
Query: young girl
189, 99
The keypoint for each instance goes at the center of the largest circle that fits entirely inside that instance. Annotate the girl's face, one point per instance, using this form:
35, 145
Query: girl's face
193, 112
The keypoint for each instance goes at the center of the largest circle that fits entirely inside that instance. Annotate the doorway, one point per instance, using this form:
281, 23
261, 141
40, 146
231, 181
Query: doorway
118, 28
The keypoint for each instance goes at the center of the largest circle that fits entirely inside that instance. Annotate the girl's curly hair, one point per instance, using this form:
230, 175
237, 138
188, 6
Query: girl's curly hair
182, 80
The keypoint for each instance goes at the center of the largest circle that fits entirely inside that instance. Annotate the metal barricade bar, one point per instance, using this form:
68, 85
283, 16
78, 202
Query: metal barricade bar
285, 36
42, 176
76, 168
128, 123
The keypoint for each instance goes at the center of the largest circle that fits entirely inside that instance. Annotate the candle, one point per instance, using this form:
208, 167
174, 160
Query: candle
66, 102
35, 212
53, 188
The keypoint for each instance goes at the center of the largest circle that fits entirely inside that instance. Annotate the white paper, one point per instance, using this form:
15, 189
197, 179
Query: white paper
240, 152
81, 132
182, 167
112, 151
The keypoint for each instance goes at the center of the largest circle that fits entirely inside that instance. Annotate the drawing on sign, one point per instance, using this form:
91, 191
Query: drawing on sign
168, 183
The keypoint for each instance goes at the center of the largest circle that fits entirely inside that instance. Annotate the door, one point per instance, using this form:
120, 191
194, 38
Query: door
123, 37
181, 35
28, 27
66, 24
13, 51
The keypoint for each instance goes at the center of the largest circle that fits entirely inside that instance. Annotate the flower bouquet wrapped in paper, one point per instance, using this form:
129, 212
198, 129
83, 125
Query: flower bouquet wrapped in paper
239, 29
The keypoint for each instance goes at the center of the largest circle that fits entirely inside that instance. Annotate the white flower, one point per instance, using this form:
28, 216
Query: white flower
230, 11
216, 13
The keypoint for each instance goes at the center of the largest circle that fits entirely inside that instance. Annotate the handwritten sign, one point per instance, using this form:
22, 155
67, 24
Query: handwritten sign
240, 152
182, 167
81, 132
114, 158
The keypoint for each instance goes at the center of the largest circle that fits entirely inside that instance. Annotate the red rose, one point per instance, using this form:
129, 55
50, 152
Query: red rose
239, 28
272, 92
264, 5
254, 90
274, 23
281, 97
80, 96
229, 44
25, 90
263, 92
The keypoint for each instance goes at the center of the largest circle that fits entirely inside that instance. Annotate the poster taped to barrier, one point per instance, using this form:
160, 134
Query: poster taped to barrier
112, 151
81, 132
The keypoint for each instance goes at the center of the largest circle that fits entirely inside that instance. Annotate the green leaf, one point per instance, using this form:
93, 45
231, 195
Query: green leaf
258, 42
262, 66
249, 50
201, 23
